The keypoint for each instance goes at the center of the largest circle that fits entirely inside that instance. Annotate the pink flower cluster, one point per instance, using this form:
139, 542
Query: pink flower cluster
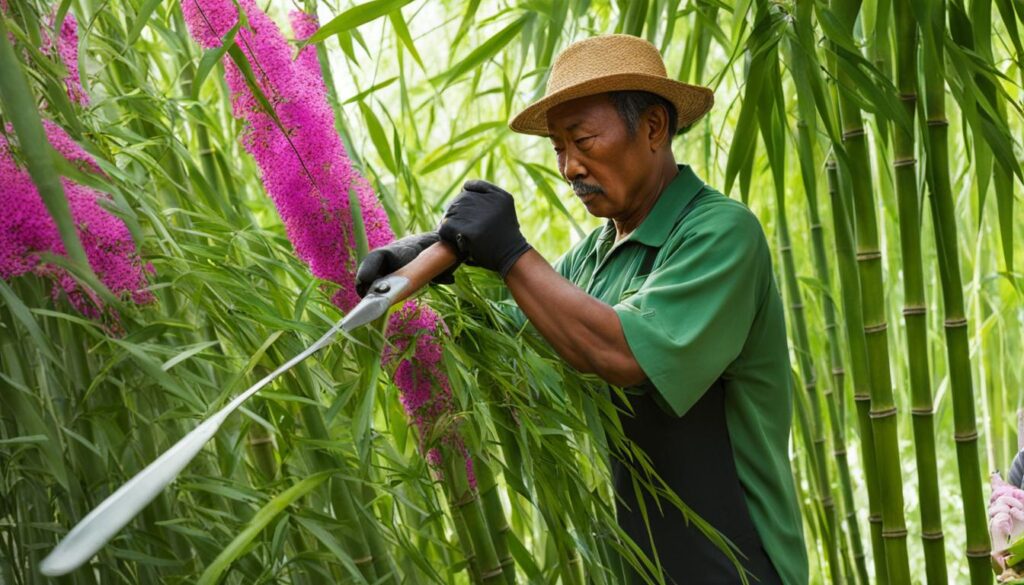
65, 45
27, 230
308, 174
305, 169
1006, 517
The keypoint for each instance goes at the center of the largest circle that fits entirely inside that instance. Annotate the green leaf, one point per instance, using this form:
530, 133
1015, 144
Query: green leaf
480, 55
380, 141
355, 16
141, 18
210, 58
259, 521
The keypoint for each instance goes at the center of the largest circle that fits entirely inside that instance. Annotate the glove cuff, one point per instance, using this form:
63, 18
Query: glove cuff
510, 259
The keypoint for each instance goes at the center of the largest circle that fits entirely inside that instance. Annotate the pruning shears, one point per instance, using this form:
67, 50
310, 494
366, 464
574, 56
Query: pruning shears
104, 521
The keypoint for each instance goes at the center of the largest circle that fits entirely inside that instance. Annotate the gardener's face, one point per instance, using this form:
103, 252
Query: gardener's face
605, 166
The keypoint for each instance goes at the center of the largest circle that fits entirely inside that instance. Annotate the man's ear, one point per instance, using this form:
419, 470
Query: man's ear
655, 124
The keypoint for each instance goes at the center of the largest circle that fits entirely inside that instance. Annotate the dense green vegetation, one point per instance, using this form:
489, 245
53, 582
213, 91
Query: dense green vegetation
876, 141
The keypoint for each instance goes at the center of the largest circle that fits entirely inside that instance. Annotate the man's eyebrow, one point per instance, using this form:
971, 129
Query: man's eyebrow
568, 128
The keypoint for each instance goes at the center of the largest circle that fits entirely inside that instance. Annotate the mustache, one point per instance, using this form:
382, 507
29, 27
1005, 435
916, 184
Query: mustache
582, 188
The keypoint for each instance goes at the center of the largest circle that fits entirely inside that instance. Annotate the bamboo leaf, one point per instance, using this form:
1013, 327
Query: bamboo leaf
141, 18
210, 58
354, 17
259, 521
482, 53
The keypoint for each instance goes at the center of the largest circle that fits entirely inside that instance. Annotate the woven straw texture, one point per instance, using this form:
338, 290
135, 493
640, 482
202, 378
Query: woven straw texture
612, 63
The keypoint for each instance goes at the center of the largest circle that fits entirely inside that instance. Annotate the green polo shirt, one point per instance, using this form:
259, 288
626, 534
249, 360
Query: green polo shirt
694, 290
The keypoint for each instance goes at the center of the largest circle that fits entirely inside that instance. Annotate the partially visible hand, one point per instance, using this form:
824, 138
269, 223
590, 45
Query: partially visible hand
384, 260
481, 223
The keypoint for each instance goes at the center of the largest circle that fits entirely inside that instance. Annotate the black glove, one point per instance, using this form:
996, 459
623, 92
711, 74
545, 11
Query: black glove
481, 223
387, 259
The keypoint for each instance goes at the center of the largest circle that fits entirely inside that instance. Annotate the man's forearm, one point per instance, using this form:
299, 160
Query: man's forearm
586, 332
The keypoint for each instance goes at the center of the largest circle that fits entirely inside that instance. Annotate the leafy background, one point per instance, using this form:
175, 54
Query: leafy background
423, 91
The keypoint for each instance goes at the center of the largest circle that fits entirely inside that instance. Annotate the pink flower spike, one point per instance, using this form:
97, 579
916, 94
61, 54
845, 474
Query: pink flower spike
308, 175
26, 230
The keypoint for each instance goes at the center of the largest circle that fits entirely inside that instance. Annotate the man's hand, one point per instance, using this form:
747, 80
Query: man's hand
481, 223
387, 259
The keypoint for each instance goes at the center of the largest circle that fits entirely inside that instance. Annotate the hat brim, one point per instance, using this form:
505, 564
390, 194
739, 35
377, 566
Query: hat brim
691, 101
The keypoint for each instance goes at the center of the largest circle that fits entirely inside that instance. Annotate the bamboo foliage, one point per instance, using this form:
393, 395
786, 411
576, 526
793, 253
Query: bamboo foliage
323, 479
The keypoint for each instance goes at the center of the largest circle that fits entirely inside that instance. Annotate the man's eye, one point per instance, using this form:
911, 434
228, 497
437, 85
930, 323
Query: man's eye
582, 141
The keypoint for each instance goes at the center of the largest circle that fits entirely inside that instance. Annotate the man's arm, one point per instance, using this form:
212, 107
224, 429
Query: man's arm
583, 330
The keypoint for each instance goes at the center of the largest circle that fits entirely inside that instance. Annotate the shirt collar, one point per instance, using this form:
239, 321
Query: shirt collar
656, 227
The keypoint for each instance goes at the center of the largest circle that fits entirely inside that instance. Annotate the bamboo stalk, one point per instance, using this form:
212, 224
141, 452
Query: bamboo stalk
466, 501
834, 394
869, 262
494, 513
915, 309
814, 422
849, 281
957, 348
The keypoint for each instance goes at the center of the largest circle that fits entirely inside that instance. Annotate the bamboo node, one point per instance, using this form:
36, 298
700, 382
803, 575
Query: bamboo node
838, 372
858, 397
785, 248
891, 411
875, 518
465, 500
853, 133
831, 164
954, 323
922, 411
492, 573
839, 452
908, 97
363, 560
904, 162
978, 553
965, 437
872, 255
827, 502
810, 385
261, 440
797, 306
914, 310
876, 328
816, 226
932, 535
942, 122
894, 533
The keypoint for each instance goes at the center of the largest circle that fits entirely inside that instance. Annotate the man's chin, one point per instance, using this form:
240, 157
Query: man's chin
592, 201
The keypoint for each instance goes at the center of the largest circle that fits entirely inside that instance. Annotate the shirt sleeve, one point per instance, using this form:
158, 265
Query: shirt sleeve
690, 318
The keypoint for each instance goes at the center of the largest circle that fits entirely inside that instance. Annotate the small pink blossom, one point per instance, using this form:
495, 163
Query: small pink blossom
65, 45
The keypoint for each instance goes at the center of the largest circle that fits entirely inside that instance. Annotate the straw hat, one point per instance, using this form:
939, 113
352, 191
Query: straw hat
612, 63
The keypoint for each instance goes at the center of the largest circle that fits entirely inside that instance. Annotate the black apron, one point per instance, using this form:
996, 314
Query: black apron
693, 455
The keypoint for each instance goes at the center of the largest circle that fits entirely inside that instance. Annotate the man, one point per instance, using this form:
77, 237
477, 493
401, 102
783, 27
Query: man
673, 299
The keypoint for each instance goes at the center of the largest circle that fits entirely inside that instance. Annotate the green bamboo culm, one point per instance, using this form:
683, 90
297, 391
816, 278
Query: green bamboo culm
802, 36
490, 498
849, 282
813, 420
465, 501
915, 309
869, 263
834, 393
957, 343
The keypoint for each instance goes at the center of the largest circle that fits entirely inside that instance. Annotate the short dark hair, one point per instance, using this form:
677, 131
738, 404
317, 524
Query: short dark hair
632, 103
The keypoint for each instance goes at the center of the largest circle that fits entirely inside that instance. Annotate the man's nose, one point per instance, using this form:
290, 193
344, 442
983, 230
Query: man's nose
573, 169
